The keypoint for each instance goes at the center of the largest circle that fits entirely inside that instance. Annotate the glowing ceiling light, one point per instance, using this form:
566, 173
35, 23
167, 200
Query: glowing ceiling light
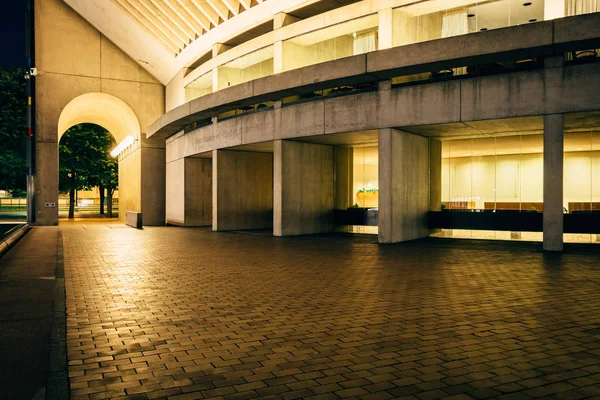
128, 141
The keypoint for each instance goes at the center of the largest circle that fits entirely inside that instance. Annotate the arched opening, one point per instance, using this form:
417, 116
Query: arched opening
116, 117
87, 173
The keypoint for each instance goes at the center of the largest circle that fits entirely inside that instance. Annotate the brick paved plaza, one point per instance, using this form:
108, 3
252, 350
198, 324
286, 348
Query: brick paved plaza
190, 314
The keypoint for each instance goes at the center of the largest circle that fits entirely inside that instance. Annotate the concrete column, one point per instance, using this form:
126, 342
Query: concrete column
303, 181
553, 182
242, 190
189, 192
435, 175
153, 178
344, 172
386, 22
403, 186
46, 186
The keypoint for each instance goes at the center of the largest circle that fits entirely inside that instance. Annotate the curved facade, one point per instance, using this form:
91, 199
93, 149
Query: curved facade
391, 116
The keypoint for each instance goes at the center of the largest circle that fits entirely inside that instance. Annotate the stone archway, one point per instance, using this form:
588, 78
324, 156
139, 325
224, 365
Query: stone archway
119, 119
102, 109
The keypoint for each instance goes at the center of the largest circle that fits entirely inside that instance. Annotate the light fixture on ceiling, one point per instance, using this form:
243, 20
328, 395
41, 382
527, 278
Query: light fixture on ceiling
470, 15
483, 29
125, 143
527, 4
533, 20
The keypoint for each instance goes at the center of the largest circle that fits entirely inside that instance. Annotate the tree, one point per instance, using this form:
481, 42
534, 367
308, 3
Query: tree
82, 153
13, 131
110, 181
108, 175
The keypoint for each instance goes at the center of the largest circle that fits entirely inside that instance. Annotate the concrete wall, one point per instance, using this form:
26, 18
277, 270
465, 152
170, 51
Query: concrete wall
242, 190
198, 192
130, 192
73, 58
189, 192
175, 192
403, 186
304, 188
152, 185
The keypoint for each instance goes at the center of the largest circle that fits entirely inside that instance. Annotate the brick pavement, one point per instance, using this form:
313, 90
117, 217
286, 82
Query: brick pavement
191, 314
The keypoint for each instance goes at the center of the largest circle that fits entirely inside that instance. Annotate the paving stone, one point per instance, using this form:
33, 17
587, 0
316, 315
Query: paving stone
190, 313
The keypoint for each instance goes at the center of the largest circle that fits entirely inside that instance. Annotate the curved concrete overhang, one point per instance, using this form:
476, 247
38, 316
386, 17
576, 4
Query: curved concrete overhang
102, 109
464, 103
541, 39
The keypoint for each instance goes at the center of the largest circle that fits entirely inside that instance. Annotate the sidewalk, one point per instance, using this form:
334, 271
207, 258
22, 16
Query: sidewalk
28, 281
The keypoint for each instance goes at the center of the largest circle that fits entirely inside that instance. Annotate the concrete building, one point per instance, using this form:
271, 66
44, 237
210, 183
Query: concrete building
458, 118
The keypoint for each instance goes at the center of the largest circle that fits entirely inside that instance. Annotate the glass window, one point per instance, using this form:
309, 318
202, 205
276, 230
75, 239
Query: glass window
366, 176
199, 87
581, 178
437, 19
578, 7
488, 174
246, 68
343, 40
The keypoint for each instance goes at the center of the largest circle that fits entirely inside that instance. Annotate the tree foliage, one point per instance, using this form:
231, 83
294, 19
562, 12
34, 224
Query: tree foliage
13, 131
85, 162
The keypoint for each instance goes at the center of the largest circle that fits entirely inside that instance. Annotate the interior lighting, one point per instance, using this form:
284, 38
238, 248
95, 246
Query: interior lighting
470, 15
527, 4
128, 141
533, 20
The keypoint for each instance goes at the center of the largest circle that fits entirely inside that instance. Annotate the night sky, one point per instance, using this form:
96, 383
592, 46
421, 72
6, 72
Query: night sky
12, 30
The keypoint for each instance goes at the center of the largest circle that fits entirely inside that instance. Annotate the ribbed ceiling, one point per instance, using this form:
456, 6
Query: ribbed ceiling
177, 23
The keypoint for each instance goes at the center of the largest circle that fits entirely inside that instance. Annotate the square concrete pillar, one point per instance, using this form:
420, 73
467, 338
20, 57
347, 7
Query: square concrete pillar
46, 186
242, 190
435, 175
553, 182
344, 174
303, 181
153, 171
189, 192
403, 186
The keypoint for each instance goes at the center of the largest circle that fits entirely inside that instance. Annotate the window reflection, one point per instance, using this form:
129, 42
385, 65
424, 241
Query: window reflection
343, 40
246, 68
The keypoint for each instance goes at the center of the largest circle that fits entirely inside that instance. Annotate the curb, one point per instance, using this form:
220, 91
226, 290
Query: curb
12, 238
57, 384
